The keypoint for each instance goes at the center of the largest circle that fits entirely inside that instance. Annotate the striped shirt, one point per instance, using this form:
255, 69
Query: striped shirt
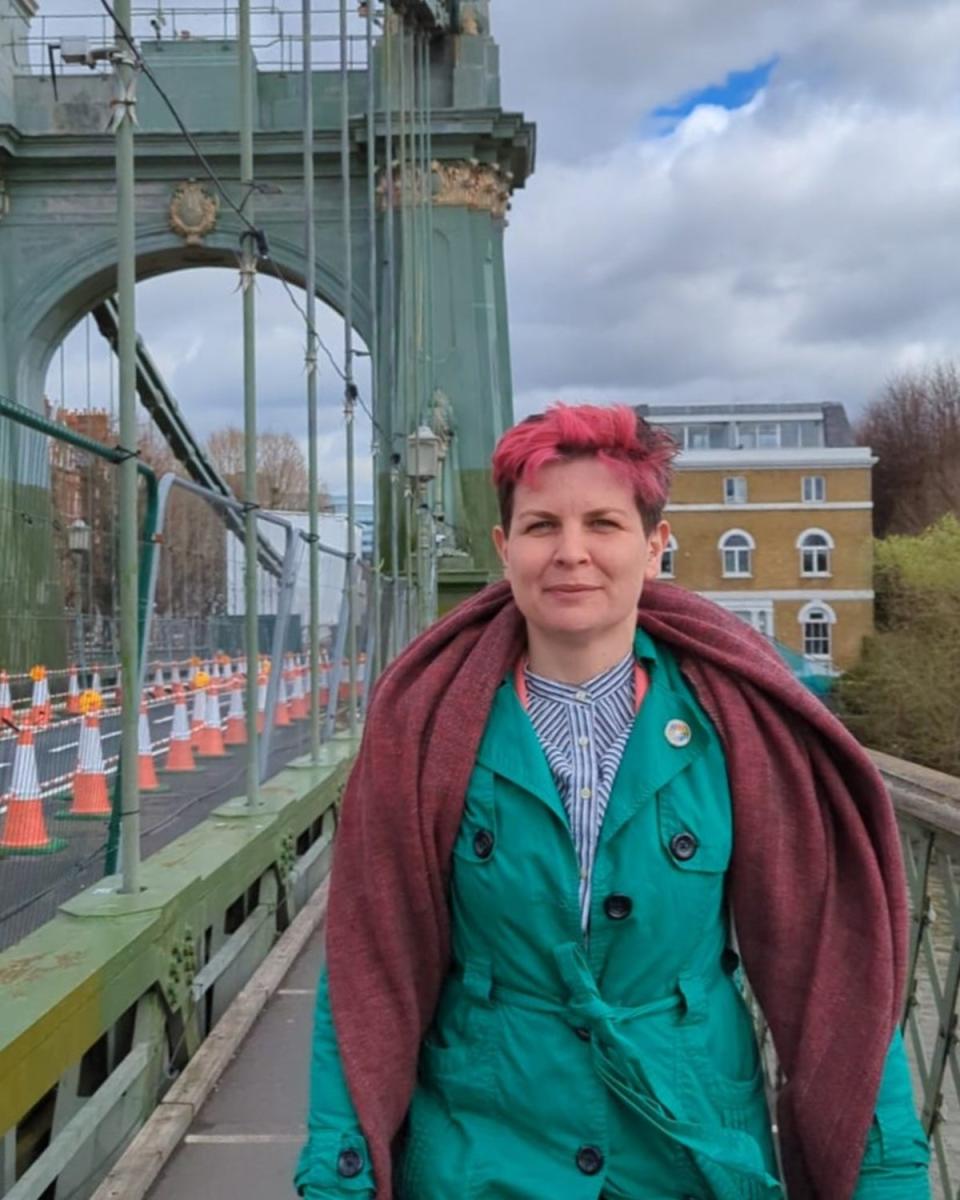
583, 729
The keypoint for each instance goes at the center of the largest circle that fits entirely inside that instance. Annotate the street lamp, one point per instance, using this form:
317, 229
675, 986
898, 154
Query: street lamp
79, 536
424, 449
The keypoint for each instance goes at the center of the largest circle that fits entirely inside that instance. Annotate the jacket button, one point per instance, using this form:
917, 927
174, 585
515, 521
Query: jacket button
589, 1160
483, 843
683, 846
349, 1163
582, 1033
617, 906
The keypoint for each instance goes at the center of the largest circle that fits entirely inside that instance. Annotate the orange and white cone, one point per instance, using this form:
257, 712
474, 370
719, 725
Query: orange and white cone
6, 703
236, 732
261, 702
40, 708
159, 687
25, 827
73, 694
201, 681
180, 757
281, 716
298, 701
90, 779
210, 737
227, 674
146, 768
95, 684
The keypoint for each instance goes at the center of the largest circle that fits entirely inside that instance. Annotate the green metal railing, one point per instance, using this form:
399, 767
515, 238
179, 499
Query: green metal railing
928, 808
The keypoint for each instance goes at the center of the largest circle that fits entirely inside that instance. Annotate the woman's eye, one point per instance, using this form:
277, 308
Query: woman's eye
538, 526
605, 521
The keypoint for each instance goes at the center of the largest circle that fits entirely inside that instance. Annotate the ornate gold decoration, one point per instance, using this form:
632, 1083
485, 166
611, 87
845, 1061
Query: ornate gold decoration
472, 184
193, 211
483, 187
469, 24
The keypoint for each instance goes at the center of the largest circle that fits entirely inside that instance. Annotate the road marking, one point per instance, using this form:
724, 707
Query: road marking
296, 991
245, 1139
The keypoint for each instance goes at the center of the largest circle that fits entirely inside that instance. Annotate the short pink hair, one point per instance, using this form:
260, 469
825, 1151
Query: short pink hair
641, 454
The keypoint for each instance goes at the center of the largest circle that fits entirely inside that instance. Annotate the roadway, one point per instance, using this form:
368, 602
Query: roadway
32, 887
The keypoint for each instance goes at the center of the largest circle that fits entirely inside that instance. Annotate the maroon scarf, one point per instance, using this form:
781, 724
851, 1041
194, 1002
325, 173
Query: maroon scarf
816, 878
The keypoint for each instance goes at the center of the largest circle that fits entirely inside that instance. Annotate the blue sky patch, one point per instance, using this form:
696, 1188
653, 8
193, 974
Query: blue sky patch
738, 89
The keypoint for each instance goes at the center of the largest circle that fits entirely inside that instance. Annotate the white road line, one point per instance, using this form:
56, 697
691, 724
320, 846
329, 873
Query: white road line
296, 991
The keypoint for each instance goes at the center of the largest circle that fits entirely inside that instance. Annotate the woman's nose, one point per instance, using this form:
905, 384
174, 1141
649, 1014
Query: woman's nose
571, 546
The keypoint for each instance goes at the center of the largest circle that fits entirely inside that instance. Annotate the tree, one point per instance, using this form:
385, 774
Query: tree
914, 429
281, 468
904, 694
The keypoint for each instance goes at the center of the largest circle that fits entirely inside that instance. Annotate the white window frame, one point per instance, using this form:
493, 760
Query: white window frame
671, 550
813, 481
805, 618
739, 489
810, 567
755, 613
722, 545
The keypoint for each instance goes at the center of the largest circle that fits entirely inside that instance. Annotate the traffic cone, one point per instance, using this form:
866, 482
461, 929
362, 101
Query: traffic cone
200, 683
261, 701
159, 687
281, 716
227, 671
90, 779
180, 757
146, 769
95, 684
25, 827
40, 707
210, 737
298, 701
236, 732
73, 694
6, 704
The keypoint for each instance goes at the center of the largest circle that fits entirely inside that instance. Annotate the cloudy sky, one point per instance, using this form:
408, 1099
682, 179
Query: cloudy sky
751, 200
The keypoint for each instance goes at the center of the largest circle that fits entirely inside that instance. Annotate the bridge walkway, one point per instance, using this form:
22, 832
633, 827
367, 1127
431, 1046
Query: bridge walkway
244, 1143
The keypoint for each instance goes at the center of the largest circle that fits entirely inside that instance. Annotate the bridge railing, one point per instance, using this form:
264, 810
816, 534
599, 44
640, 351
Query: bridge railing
60, 721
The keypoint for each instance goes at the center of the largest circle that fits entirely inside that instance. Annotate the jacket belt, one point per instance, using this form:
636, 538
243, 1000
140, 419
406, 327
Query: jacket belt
726, 1163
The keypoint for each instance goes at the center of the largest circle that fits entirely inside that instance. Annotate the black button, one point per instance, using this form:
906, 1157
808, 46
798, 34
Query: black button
589, 1160
683, 846
582, 1033
483, 843
617, 907
349, 1163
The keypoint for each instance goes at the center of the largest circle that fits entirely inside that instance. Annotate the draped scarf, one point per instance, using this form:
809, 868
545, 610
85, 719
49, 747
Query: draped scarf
816, 877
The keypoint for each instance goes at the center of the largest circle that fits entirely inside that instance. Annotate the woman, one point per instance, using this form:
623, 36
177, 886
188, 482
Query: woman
571, 791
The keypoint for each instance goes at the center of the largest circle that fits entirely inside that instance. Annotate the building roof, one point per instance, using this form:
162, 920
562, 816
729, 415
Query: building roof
836, 426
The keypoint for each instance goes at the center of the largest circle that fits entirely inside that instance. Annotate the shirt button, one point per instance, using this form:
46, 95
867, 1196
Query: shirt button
589, 1160
349, 1163
583, 741
585, 793
582, 696
582, 1033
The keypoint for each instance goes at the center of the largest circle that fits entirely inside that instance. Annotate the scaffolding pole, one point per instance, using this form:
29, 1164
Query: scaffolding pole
310, 254
349, 388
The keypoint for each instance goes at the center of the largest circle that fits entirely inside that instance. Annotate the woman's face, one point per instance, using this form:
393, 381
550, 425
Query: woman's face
576, 555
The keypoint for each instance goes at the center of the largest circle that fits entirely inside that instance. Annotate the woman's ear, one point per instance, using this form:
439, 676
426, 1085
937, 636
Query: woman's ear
500, 545
656, 544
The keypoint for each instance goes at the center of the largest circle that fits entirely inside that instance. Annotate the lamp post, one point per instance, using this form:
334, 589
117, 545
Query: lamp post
423, 466
78, 541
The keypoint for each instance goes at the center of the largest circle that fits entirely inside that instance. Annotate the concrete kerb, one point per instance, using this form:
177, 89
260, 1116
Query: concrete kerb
136, 1170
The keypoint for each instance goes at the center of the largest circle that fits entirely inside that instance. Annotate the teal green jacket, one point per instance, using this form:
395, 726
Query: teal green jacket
625, 1064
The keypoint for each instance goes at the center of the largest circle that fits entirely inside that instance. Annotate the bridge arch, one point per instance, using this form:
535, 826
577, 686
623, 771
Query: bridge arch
65, 293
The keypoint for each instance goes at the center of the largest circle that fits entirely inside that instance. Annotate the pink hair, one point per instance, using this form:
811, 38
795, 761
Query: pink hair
640, 454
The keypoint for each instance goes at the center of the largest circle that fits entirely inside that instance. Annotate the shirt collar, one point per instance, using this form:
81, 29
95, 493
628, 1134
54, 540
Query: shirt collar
607, 683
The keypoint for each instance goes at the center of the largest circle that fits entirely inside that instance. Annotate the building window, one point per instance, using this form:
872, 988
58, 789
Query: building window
758, 435
817, 621
736, 553
668, 561
709, 436
760, 616
815, 546
735, 489
814, 489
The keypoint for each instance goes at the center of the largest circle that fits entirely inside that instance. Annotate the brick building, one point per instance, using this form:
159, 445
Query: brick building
771, 517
